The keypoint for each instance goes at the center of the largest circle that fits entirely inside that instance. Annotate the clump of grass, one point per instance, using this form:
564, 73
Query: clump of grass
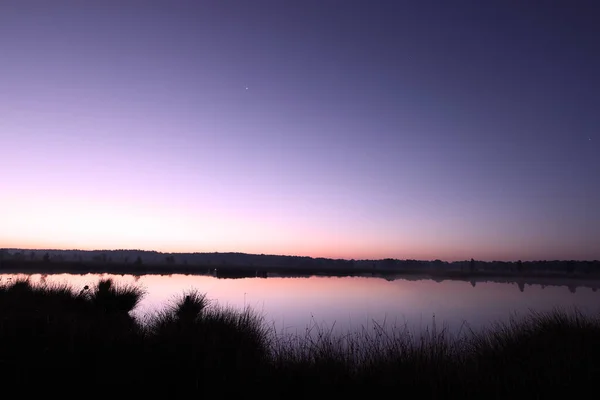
49, 331
194, 319
190, 306
180, 314
21, 296
20, 285
111, 298
245, 327
210, 343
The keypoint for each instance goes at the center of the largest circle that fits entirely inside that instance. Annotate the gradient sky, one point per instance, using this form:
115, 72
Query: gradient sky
346, 129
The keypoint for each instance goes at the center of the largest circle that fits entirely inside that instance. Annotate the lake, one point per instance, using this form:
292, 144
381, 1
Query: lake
342, 304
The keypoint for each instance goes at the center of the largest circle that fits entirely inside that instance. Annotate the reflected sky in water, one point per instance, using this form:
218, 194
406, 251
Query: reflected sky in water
349, 303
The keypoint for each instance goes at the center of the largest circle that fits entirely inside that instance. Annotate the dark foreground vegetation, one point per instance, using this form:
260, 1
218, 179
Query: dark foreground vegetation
83, 341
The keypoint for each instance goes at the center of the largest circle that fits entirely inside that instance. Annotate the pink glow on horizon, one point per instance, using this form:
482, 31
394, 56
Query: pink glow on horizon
114, 219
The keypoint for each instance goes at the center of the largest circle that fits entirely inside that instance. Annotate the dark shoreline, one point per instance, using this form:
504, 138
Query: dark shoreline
543, 278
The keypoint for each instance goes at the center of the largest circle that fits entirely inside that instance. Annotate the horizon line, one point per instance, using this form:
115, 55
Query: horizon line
290, 255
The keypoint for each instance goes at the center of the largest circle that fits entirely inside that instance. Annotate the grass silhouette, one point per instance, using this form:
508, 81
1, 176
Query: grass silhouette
49, 333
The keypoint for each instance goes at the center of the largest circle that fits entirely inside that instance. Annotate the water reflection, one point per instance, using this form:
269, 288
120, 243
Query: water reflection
291, 304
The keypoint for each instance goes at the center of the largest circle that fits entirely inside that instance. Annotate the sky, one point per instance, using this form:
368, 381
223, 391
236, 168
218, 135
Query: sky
343, 129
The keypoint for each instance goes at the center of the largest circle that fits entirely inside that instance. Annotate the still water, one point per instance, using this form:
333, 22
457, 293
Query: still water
342, 304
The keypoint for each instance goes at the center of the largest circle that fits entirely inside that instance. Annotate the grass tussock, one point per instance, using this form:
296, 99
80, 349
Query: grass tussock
219, 342
53, 332
108, 297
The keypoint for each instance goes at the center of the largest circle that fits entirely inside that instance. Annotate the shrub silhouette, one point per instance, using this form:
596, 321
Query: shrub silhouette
110, 298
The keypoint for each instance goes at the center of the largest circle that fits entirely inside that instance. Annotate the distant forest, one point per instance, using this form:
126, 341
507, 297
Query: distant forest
189, 261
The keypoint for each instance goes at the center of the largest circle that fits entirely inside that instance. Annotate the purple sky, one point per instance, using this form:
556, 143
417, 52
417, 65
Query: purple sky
351, 129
